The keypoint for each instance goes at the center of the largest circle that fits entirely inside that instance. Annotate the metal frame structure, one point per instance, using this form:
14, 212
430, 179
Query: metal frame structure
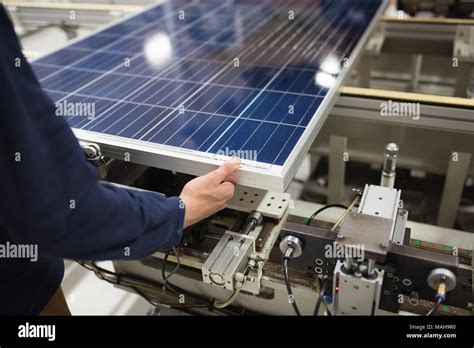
273, 299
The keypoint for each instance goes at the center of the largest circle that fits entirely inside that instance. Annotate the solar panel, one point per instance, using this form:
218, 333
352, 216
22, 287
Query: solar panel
185, 84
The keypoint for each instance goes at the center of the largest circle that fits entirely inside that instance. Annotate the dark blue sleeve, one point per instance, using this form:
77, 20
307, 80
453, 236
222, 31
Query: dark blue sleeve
50, 195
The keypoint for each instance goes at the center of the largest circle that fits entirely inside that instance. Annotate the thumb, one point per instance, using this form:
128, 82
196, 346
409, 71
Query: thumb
227, 169
227, 190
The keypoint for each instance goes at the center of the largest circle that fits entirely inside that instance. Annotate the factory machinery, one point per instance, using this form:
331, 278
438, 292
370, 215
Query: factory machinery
377, 221
265, 255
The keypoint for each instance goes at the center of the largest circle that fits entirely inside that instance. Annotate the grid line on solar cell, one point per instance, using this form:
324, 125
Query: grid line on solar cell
130, 59
308, 33
114, 102
131, 95
286, 85
102, 49
239, 55
225, 106
188, 98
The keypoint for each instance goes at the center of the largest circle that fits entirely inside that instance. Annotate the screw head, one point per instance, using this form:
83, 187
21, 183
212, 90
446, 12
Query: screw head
340, 236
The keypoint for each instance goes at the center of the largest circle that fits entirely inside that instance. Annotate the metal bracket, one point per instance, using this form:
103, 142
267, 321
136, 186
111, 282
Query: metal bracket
269, 204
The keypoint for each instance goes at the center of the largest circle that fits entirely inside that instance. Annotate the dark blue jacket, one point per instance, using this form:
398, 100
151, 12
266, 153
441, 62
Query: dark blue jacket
50, 195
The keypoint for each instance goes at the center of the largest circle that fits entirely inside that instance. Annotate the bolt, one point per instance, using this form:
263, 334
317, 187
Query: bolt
414, 298
383, 245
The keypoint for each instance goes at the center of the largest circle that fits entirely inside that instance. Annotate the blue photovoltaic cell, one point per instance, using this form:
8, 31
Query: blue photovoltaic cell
210, 75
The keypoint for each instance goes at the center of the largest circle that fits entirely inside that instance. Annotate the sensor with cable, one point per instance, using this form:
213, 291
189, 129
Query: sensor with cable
291, 247
442, 280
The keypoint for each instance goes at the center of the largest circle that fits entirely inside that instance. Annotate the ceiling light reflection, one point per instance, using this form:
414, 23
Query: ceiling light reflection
158, 50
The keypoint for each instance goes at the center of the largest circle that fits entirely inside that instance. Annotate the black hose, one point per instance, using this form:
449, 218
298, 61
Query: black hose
312, 217
291, 297
322, 292
435, 307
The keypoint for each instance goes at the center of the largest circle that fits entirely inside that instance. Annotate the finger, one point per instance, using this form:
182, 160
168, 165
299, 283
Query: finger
227, 189
232, 178
227, 169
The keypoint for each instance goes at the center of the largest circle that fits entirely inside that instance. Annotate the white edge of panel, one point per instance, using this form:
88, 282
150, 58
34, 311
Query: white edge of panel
319, 118
259, 175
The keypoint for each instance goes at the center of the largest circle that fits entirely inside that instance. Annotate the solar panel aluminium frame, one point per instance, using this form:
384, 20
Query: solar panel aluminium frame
258, 175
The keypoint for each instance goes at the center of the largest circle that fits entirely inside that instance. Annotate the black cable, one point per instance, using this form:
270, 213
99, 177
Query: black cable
91, 266
98, 271
174, 306
435, 306
140, 293
178, 264
171, 287
322, 292
312, 217
291, 297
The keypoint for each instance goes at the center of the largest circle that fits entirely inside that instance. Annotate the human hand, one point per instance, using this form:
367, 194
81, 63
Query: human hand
208, 194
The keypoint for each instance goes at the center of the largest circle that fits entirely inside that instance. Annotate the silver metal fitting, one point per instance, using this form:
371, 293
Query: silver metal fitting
389, 165
95, 157
291, 247
254, 219
442, 275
